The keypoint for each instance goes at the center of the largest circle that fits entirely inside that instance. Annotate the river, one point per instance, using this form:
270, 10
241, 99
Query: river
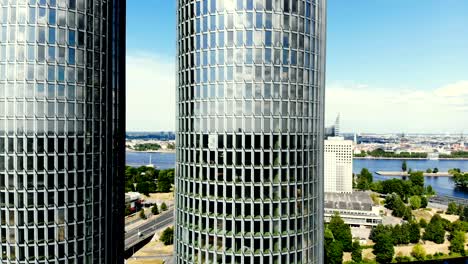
442, 185
161, 160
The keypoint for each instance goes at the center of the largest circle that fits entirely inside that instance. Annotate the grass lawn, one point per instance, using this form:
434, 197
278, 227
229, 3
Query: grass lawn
161, 196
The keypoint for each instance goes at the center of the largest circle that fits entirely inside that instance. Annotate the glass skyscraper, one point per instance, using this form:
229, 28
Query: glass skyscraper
250, 107
62, 125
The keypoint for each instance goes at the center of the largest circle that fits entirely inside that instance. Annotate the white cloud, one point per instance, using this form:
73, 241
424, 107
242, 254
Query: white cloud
453, 90
151, 104
151, 92
376, 109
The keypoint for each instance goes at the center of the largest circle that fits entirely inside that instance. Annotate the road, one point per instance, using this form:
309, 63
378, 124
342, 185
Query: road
168, 258
148, 228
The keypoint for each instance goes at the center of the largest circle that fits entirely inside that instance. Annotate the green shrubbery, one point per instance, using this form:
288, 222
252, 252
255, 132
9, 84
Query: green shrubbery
147, 147
148, 180
167, 236
380, 153
435, 231
338, 238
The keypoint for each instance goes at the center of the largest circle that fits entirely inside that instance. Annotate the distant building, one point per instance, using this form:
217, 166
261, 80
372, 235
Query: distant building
334, 130
329, 131
433, 156
337, 131
356, 209
338, 165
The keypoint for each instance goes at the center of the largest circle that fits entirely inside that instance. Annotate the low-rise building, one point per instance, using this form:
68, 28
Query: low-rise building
133, 201
356, 209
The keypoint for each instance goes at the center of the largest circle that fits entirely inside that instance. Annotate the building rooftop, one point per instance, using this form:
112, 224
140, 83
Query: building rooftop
349, 201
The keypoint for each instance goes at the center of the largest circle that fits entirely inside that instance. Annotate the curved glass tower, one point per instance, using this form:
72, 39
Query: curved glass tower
250, 131
61, 131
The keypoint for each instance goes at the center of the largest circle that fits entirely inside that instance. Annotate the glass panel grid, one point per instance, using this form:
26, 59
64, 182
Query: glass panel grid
250, 95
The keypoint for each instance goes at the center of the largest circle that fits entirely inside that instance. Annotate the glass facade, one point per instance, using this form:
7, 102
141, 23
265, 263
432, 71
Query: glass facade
250, 106
61, 131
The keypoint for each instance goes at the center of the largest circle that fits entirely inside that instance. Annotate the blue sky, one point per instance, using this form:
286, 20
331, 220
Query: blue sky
392, 66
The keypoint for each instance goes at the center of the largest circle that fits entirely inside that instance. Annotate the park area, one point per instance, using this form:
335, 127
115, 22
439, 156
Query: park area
411, 229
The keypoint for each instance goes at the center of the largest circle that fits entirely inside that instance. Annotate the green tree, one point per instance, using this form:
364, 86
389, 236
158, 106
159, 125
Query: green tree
461, 180
356, 253
333, 248
127, 210
452, 208
404, 166
165, 182
460, 226
328, 236
423, 223
341, 232
435, 230
142, 214
146, 146
457, 242
418, 252
364, 179
429, 171
454, 171
383, 248
400, 234
155, 210
424, 201
167, 236
463, 213
335, 253
414, 232
377, 186
415, 202
398, 207
428, 190
163, 206
143, 187
397, 186
417, 178
435, 170
379, 229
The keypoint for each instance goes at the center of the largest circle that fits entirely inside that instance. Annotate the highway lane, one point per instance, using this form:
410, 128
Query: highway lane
153, 219
148, 228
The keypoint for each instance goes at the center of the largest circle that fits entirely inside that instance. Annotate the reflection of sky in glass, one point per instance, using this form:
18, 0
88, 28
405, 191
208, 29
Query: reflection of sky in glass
246, 81
52, 114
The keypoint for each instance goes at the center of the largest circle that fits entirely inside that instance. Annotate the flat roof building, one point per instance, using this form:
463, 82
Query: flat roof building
356, 209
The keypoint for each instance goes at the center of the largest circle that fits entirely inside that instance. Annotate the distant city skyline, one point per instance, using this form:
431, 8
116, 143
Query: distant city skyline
402, 70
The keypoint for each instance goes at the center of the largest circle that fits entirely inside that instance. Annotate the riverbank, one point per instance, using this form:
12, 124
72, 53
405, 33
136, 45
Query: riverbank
388, 158
406, 174
151, 151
